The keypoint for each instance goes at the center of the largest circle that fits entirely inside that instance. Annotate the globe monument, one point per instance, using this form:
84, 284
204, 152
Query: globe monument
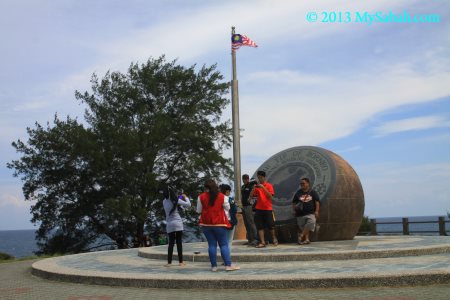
336, 182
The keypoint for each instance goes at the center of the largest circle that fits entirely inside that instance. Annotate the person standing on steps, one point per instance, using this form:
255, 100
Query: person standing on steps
264, 218
214, 222
174, 223
247, 212
306, 206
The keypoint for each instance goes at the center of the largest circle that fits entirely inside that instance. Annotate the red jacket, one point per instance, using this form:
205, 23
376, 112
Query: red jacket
213, 215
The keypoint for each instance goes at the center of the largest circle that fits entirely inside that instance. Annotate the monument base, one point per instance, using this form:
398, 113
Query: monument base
362, 262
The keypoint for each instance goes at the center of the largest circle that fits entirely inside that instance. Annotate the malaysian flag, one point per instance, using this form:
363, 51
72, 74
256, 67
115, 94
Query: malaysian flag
238, 40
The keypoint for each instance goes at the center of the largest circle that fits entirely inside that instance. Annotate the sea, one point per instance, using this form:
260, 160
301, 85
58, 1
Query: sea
22, 243
18, 243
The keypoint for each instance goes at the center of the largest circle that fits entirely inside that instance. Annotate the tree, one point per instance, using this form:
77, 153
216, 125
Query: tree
158, 124
364, 227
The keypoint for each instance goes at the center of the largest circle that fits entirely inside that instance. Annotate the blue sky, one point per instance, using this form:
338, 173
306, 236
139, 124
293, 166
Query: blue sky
378, 95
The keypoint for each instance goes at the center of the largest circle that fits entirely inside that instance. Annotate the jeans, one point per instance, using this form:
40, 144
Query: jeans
214, 236
230, 235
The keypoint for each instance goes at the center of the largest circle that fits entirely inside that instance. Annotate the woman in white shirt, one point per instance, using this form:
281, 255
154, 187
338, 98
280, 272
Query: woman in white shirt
174, 223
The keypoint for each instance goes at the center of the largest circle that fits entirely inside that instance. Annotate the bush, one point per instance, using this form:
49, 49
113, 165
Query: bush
364, 228
5, 256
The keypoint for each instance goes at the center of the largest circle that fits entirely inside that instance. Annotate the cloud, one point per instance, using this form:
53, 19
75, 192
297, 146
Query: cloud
392, 188
280, 115
190, 34
32, 105
281, 106
289, 78
14, 210
419, 123
351, 149
8, 200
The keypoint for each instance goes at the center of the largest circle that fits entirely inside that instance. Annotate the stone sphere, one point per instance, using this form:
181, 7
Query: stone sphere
338, 185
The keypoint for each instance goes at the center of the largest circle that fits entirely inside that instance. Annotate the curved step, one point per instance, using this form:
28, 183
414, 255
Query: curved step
127, 268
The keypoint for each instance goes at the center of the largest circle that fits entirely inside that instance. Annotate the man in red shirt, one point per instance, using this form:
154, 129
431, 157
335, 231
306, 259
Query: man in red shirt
263, 192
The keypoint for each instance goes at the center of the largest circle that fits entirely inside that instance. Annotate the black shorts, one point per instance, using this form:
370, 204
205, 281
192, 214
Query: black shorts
264, 219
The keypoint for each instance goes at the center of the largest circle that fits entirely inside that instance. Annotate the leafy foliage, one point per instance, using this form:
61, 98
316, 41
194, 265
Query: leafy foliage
364, 228
5, 256
158, 124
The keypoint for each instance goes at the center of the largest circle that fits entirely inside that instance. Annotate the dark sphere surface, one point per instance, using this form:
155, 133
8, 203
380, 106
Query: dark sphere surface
338, 185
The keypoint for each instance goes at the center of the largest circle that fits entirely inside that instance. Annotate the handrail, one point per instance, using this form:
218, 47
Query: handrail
406, 230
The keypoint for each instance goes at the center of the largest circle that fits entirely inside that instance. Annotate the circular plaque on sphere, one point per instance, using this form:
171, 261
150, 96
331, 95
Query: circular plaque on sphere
338, 185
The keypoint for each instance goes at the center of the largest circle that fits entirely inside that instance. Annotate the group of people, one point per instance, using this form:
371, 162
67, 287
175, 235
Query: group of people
258, 214
218, 216
217, 219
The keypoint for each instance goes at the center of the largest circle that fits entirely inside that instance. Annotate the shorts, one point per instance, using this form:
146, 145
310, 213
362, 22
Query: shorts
308, 222
264, 219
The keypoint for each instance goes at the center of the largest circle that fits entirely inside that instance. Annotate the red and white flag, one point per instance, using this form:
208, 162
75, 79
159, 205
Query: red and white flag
238, 40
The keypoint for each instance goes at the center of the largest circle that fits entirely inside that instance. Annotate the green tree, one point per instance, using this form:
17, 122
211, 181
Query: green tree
364, 228
158, 124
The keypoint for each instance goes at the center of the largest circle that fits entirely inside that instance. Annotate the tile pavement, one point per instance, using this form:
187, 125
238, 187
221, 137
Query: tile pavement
125, 275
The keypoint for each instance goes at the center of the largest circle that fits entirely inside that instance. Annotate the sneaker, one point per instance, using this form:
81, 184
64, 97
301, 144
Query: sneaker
214, 269
232, 268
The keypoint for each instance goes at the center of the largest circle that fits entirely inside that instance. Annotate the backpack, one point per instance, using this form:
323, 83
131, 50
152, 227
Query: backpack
233, 211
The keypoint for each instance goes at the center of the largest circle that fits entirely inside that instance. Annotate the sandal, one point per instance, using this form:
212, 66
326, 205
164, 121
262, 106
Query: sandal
182, 264
306, 242
232, 268
260, 246
275, 243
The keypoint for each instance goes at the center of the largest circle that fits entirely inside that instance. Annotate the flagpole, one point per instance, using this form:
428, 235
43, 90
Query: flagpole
236, 129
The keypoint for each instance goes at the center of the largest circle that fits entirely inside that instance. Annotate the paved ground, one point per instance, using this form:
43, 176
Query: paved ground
16, 282
415, 275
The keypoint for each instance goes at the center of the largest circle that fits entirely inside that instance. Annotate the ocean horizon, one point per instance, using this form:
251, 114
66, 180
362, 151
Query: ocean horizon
22, 243
18, 243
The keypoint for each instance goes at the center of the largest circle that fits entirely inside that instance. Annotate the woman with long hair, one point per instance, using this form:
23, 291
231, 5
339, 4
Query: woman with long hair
174, 223
213, 205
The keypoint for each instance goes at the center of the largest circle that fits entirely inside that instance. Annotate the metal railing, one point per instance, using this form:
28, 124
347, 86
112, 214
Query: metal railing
406, 228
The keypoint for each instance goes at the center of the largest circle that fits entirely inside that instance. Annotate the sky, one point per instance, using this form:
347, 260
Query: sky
375, 93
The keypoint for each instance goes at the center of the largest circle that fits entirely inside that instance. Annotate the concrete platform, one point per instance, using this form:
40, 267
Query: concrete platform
362, 262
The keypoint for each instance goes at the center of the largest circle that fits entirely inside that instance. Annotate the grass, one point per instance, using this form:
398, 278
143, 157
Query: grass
6, 258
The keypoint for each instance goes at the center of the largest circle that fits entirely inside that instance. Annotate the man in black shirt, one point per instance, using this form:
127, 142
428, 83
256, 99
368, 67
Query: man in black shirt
247, 211
306, 205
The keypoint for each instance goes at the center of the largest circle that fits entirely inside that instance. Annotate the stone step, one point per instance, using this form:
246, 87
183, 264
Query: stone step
127, 268
359, 248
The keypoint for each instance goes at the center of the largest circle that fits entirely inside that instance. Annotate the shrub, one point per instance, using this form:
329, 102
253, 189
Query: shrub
364, 228
5, 256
